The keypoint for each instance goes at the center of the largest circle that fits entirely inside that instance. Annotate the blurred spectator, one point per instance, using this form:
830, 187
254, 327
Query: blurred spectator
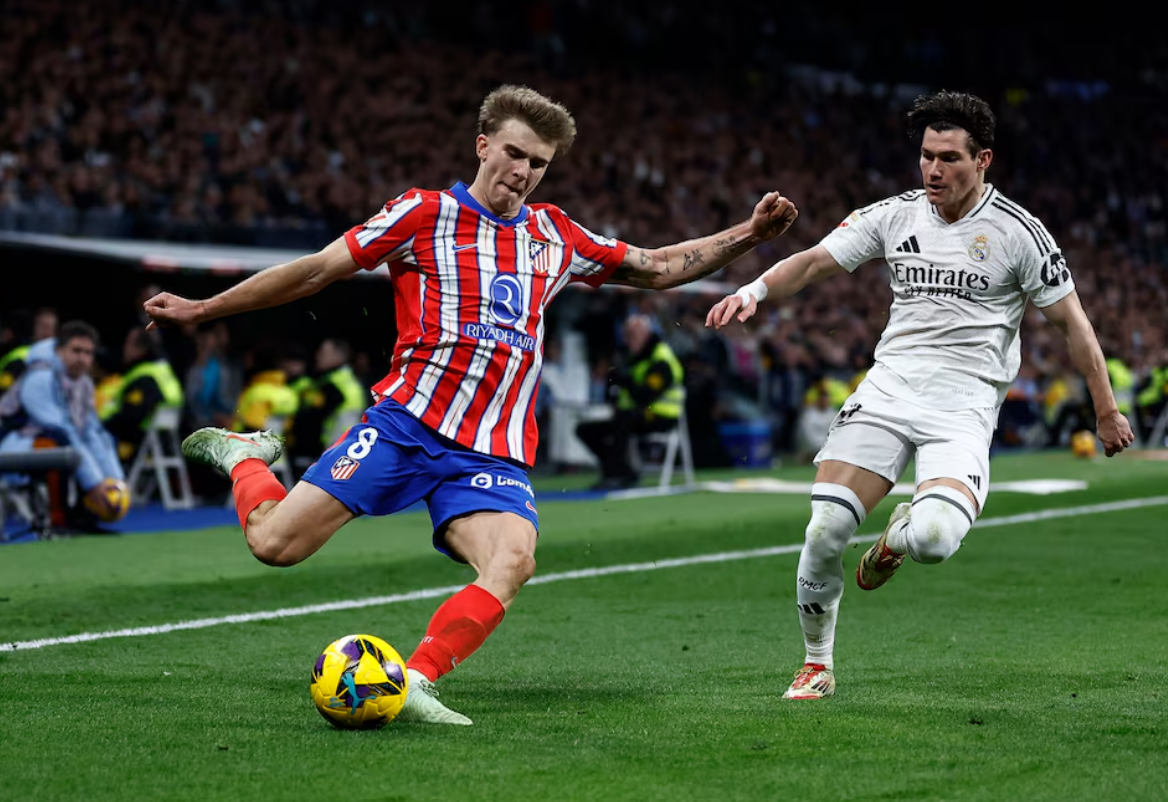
53, 404
14, 361
268, 400
147, 383
650, 395
214, 381
814, 422
330, 400
1020, 420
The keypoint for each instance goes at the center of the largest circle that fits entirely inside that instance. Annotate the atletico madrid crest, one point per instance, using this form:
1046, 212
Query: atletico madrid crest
344, 467
540, 255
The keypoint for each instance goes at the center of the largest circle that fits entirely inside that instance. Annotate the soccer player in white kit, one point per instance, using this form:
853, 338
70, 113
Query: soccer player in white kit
963, 261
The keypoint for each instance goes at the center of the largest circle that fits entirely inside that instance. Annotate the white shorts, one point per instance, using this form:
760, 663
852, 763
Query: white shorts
881, 433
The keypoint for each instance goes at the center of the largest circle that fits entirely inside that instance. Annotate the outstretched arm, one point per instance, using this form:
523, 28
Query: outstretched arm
781, 280
271, 287
674, 265
1113, 429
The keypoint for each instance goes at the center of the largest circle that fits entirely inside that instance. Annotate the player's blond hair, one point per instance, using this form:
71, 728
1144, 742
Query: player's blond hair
549, 120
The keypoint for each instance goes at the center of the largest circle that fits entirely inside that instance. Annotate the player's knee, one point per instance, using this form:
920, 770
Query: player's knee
940, 519
836, 513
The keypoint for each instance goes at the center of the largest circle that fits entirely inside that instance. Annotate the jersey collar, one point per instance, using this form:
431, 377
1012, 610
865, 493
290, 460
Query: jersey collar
972, 213
461, 193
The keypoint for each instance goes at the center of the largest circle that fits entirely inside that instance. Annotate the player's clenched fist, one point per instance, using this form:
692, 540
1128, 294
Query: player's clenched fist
1115, 433
773, 215
165, 308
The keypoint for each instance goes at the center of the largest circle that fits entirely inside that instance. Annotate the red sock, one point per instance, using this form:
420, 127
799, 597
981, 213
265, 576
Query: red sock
253, 483
457, 629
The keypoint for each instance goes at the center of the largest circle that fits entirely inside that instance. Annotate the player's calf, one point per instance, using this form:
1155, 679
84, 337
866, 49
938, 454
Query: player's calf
291, 530
836, 513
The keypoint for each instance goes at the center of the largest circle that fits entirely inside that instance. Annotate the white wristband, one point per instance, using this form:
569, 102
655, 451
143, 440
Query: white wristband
756, 289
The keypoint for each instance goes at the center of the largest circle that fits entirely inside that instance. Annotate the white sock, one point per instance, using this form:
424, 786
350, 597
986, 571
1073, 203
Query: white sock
897, 539
836, 514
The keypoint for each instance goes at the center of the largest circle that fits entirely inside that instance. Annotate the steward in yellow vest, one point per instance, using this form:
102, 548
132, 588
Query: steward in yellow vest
266, 396
650, 398
12, 364
334, 397
1123, 384
147, 385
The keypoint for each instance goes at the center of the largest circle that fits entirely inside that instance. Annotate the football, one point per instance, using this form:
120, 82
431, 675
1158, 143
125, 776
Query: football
359, 682
109, 501
1083, 444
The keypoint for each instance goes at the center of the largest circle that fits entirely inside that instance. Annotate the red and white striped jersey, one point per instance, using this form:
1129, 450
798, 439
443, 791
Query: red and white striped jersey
470, 291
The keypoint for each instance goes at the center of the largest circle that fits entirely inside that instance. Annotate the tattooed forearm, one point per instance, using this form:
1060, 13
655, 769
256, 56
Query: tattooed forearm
729, 249
632, 277
684, 262
692, 259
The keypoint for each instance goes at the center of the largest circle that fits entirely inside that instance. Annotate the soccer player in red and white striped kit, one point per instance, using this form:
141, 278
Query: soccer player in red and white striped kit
453, 423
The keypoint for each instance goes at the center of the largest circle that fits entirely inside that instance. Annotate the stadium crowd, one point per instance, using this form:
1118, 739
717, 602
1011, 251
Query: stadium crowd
286, 123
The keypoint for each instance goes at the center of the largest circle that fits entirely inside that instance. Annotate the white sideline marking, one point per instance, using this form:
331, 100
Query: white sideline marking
583, 573
764, 484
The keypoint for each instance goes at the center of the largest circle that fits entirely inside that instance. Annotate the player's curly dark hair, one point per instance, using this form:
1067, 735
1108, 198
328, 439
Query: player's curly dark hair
945, 110
547, 118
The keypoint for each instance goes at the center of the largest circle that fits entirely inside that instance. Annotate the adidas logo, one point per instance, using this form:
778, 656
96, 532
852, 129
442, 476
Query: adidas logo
909, 246
976, 480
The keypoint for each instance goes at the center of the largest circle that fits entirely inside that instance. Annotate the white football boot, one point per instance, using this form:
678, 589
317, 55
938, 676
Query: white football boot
223, 449
422, 704
879, 562
812, 681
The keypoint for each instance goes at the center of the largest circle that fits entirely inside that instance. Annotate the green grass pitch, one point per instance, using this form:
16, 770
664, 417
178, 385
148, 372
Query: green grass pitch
1031, 666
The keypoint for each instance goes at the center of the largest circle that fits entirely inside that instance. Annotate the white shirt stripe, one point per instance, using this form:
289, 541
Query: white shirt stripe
379, 225
447, 269
486, 250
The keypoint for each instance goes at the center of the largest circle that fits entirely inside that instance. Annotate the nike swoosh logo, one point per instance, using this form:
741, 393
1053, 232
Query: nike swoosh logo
464, 247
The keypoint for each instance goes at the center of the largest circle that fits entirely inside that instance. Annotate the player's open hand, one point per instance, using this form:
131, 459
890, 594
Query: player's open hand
772, 216
724, 311
1115, 433
166, 309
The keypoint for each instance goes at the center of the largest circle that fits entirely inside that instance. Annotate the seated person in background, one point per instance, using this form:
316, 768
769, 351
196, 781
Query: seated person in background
53, 403
651, 394
815, 420
331, 395
268, 394
147, 384
14, 361
214, 380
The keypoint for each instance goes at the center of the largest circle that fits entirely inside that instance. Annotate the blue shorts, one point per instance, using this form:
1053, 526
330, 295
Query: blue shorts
392, 461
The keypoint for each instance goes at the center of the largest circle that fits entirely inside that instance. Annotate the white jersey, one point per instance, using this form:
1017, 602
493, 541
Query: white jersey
959, 293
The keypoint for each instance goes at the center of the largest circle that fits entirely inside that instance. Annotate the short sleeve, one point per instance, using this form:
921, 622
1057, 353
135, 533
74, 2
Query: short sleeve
594, 258
1042, 269
860, 236
389, 234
